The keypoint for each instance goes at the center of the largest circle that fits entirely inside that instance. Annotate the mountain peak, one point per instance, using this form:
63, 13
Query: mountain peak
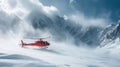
114, 32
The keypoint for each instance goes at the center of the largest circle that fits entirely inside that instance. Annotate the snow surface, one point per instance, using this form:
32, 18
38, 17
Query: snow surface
57, 55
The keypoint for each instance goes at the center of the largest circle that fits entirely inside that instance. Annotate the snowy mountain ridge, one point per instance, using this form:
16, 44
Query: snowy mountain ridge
111, 33
62, 29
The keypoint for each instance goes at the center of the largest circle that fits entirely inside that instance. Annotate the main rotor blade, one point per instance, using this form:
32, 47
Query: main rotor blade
36, 38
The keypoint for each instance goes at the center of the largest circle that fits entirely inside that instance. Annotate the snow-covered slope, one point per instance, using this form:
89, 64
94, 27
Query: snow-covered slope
57, 55
110, 38
110, 33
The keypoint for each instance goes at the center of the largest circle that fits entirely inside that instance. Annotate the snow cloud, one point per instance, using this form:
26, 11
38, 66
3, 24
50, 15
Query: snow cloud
86, 22
13, 14
36, 17
68, 10
25, 6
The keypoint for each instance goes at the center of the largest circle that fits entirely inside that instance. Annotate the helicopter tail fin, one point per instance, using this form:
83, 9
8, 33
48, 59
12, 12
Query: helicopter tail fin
22, 43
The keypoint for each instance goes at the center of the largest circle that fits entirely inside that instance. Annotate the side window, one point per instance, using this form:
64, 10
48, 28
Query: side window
45, 42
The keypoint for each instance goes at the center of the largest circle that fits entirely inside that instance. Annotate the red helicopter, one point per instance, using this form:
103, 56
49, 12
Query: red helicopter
39, 43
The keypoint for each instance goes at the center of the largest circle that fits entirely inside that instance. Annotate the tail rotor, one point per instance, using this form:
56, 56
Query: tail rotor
22, 43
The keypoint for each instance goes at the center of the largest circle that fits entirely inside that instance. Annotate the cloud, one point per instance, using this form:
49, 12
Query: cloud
24, 7
32, 5
71, 1
50, 9
12, 3
87, 22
